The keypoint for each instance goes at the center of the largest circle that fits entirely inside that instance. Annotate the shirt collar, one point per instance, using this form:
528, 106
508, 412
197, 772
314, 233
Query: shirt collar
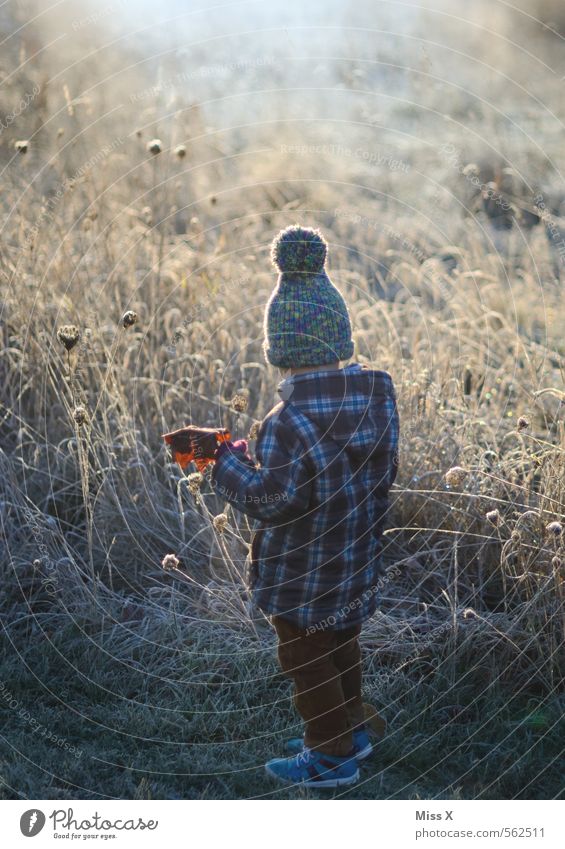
284, 388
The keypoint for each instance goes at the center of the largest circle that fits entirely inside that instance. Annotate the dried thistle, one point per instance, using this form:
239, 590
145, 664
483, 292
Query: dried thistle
455, 476
522, 423
180, 151
494, 517
471, 170
154, 146
254, 430
80, 415
220, 522
22, 145
129, 318
554, 528
195, 481
170, 562
516, 536
68, 335
240, 401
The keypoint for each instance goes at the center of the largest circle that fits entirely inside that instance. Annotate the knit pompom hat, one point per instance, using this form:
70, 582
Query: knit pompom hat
306, 319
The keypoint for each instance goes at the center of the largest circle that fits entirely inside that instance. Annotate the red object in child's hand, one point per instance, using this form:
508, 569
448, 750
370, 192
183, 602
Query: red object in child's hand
183, 440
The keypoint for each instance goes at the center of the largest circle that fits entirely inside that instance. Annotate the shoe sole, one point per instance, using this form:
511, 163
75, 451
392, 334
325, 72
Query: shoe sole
364, 753
324, 782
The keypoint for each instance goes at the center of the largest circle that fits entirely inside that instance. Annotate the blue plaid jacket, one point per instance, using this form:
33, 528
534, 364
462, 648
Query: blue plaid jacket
327, 456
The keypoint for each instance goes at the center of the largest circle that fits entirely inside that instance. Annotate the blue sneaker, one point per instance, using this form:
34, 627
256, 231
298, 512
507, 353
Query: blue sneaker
362, 746
314, 769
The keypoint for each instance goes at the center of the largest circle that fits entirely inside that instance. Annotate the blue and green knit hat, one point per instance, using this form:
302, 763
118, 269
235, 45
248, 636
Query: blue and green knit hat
306, 319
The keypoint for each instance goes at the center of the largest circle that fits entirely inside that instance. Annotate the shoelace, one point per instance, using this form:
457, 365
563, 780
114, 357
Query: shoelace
304, 757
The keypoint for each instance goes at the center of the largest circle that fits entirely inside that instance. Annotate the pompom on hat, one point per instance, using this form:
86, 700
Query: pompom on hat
306, 320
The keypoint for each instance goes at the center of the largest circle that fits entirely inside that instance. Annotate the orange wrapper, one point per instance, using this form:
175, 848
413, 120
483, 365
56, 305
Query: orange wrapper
180, 442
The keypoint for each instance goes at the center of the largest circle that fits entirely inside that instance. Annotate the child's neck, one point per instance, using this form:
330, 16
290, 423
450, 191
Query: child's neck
304, 369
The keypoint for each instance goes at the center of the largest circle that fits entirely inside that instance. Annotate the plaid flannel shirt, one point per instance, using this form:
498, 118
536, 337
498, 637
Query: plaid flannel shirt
327, 456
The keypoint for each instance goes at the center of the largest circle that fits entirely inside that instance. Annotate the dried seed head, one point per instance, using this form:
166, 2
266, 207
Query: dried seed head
154, 146
169, 562
455, 476
493, 516
195, 481
554, 528
556, 562
522, 423
129, 318
80, 415
220, 522
180, 151
68, 335
254, 430
240, 401
515, 536
22, 146
471, 170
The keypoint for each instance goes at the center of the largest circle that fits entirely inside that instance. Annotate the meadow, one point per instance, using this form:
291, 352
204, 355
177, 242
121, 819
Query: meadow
145, 170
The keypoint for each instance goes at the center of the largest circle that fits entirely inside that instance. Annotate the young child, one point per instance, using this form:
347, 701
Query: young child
326, 459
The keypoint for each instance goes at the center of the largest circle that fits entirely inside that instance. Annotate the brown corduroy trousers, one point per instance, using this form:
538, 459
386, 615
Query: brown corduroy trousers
325, 667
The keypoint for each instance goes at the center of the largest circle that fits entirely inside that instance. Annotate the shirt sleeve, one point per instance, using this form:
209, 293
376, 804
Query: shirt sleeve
392, 434
394, 426
278, 487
